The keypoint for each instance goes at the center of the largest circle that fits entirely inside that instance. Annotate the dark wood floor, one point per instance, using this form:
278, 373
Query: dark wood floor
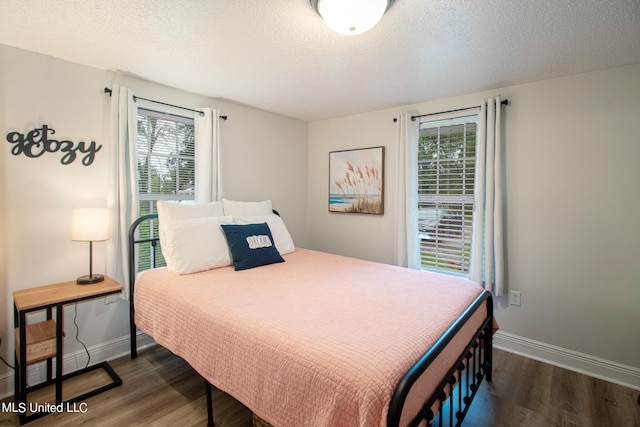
162, 390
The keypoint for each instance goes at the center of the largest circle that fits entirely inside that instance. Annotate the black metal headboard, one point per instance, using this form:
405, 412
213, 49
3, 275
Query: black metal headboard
133, 271
155, 241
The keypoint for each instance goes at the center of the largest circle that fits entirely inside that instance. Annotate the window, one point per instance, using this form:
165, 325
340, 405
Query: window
446, 178
166, 168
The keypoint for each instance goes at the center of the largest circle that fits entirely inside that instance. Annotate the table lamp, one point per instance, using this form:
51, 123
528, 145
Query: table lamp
90, 225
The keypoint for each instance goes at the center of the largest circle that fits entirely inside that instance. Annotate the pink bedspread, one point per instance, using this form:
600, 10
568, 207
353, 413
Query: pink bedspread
319, 340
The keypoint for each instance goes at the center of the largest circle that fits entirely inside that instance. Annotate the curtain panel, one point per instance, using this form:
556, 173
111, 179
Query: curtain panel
406, 248
122, 199
487, 251
208, 166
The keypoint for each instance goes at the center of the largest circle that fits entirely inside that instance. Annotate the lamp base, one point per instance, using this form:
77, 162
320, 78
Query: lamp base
89, 279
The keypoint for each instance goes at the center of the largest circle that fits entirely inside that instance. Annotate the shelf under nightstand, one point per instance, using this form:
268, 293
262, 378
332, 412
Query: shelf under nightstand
41, 341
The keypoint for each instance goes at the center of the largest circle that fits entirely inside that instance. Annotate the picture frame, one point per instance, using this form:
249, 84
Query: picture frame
356, 181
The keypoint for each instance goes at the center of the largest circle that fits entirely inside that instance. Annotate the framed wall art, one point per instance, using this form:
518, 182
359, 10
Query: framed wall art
356, 181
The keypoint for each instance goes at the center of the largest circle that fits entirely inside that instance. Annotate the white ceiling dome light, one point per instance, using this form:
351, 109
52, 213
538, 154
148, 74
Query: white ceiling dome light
351, 17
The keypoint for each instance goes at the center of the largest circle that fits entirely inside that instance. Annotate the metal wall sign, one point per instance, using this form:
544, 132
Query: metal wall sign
38, 141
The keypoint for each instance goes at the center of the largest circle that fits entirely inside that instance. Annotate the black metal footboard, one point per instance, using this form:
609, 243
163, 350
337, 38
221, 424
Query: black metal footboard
456, 392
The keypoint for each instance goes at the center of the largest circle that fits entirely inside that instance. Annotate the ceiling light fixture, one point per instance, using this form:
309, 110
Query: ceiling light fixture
351, 17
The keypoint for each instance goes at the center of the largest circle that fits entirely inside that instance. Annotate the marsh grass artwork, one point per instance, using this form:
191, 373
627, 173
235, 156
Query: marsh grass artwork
356, 181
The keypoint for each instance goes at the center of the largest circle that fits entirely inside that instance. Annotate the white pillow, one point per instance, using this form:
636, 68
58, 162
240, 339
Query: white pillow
196, 245
235, 208
281, 236
169, 212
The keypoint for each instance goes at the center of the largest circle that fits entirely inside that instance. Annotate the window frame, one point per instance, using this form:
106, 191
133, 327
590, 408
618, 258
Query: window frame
437, 255
146, 199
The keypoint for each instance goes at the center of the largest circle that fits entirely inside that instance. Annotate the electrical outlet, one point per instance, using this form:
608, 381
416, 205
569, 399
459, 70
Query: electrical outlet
514, 297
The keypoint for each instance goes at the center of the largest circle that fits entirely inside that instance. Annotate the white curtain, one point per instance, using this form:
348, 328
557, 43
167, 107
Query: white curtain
122, 199
208, 172
407, 250
487, 251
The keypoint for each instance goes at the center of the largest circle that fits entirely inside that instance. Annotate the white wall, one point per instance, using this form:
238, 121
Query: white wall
361, 236
264, 157
4, 307
572, 152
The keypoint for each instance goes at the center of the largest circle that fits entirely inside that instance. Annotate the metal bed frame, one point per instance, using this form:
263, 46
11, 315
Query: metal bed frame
452, 397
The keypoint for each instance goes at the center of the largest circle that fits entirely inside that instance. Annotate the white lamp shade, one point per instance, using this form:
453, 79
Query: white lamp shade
90, 224
352, 17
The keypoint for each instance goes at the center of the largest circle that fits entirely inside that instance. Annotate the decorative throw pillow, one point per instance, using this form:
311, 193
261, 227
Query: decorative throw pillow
251, 245
196, 245
281, 236
236, 208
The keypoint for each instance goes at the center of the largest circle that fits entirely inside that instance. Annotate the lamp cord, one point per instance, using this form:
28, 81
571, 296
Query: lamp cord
2, 358
6, 363
77, 338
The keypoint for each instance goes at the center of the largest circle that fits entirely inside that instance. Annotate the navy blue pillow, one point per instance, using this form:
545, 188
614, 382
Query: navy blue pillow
251, 245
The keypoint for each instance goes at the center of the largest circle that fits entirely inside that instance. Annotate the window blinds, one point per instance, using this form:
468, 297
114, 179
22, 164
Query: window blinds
446, 171
166, 168
166, 156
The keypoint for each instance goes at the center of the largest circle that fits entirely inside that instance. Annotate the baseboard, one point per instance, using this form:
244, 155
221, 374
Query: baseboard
607, 370
110, 350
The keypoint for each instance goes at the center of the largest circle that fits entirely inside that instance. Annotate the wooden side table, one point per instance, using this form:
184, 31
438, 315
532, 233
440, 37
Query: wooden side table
43, 340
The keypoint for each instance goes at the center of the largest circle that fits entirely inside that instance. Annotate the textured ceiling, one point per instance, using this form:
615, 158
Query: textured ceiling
278, 55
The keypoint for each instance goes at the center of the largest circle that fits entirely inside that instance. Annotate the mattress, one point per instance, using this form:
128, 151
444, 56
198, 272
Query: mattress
319, 339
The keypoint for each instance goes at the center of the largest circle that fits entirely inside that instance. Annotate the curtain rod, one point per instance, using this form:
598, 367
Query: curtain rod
413, 118
135, 98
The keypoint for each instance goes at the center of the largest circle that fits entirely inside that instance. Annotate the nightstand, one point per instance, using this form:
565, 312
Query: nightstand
42, 341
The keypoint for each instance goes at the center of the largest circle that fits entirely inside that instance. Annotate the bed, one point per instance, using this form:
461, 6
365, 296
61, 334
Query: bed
316, 338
